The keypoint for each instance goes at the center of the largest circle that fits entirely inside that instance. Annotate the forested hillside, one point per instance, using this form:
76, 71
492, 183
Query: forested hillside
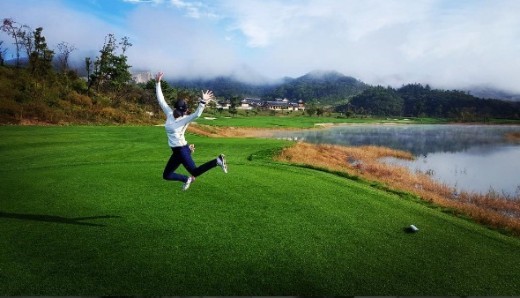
225, 87
352, 97
416, 100
325, 88
39, 86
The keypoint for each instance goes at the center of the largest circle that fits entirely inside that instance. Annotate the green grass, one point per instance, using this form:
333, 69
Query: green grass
299, 121
84, 211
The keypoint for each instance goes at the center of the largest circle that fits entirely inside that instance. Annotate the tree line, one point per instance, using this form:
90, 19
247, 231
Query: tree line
108, 71
416, 100
40, 86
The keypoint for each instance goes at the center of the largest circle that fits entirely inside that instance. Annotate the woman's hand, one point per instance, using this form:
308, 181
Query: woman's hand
207, 96
158, 77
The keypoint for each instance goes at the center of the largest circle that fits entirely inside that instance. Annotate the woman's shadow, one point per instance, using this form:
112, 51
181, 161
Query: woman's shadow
58, 219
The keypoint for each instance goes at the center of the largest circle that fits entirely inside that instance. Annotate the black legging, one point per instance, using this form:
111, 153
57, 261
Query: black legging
182, 155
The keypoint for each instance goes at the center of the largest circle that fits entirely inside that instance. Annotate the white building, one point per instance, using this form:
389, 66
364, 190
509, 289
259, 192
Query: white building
141, 77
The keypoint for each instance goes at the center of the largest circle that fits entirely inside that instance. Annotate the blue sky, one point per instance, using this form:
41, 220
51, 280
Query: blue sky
444, 43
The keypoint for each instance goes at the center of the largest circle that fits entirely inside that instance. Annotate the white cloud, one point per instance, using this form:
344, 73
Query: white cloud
84, 31
194, 9
387, 42
178, 46
449, 44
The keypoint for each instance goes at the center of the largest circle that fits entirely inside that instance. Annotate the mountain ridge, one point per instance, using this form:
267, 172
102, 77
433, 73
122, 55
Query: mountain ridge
327, 87
237, 87
323, 86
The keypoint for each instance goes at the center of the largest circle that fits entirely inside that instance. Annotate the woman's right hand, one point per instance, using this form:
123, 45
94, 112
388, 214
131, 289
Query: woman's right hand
158, 77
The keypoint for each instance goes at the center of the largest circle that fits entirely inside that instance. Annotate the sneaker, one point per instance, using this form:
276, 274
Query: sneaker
221, 161
188, 183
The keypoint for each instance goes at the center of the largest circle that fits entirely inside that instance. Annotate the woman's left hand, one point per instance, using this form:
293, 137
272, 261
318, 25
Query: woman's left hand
207, 96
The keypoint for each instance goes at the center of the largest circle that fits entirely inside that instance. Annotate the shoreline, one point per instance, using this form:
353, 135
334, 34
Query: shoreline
490, 209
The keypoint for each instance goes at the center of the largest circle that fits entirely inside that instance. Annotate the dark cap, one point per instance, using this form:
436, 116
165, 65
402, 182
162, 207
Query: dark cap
181, 106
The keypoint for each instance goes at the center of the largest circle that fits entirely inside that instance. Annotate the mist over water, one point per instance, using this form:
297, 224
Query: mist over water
475, 158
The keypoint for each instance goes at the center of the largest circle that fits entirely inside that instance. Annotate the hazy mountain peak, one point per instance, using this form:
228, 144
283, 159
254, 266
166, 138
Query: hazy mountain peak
323, 74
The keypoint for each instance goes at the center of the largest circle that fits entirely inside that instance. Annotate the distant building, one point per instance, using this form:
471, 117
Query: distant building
225, 104
141, 77
284, 105
250, 103
257, 103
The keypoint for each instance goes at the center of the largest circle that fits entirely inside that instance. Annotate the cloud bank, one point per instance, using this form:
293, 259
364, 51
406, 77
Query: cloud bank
447, 44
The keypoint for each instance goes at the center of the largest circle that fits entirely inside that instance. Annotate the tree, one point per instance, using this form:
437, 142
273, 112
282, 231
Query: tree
16, 32
125, 44
27, 39
102, 64
40, 59
235, 101
2, 53
88, 69
379, 101
111, 71
65, 49
212, 106
311, 108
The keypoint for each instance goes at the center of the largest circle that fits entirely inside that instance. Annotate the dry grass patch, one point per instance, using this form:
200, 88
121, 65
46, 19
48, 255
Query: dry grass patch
230, 132
490, 209
513, 137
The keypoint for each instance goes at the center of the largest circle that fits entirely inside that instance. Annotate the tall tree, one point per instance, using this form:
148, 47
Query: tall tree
27, 39
16, 31
111, 71
3, 51
88, 68
125, 44
235, 101
40, 60
65, 49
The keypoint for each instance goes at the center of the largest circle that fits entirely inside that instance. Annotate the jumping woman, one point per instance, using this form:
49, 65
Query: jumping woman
177, 121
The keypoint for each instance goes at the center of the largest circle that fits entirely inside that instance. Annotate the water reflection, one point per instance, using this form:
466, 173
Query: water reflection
418, 139
468, 157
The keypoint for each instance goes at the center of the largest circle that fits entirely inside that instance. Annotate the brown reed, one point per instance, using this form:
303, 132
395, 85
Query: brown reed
513, 137
229, 132
492, 209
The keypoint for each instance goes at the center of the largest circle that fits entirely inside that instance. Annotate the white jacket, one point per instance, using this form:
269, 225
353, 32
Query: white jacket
175, 128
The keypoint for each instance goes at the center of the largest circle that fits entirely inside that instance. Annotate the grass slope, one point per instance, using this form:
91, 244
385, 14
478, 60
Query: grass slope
84, 211
299, 121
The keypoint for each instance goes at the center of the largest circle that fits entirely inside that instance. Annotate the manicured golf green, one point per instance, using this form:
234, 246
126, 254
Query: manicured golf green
299, 121
84, 211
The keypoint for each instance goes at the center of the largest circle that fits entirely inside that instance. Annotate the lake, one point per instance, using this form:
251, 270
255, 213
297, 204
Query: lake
474, 158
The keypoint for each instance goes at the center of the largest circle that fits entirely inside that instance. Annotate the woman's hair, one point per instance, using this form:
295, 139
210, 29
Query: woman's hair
177, 114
